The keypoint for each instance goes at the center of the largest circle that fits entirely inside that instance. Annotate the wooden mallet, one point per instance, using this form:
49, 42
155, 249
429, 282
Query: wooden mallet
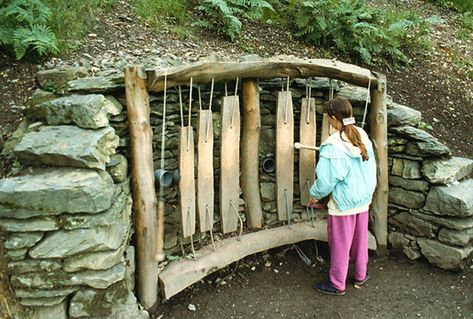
298, 146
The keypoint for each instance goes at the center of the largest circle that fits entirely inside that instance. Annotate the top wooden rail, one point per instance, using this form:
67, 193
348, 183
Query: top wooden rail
279, 67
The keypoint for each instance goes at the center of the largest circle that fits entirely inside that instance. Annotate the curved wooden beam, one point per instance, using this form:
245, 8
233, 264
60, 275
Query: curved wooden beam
278, 67
183, 273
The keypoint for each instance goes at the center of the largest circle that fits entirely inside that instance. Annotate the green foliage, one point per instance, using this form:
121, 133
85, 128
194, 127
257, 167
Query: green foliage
72, 19
364, 32
160, 12
224, 16
466, 23
458, 5
23, 28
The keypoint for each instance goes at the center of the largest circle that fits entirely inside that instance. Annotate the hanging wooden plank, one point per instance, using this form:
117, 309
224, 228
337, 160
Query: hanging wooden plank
181, 274
307, 157
144, 196
284, 154
379, 136
250, 154
230, 163
277, 67
325, 133
186, 181
205, 171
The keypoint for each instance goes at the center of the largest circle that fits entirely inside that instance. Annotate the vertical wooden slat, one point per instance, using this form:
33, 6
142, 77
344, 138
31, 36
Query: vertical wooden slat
284, 154
325, 133
307, 157
186, 181
205, 171
230, 163
144, 196
249, 153
378, 123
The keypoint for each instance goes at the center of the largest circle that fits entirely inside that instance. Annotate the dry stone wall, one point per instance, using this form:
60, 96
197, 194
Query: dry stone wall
67, 213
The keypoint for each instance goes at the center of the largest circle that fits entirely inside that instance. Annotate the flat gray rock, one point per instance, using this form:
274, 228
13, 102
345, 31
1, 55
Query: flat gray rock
447, 171
454, 200
22, 240
401, 115
444, 256
67, 145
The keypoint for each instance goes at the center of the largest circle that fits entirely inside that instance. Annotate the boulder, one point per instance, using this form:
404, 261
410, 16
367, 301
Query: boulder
409, 184
94, 261
118, 168
62, 190
86, 111
99, 279
398, 240
422, 143
450, 222
55, 80
447, 171
66, 145
406, 168
98, 84
454, 200
406, 198
444, 256
456, 237
22, 240
413, 225
400, 115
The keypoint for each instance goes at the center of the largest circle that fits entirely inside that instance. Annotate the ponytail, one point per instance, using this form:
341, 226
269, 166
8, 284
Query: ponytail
355, 138
342, 110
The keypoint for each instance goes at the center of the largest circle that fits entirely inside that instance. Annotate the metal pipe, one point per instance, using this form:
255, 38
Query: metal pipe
269, 165
163, 177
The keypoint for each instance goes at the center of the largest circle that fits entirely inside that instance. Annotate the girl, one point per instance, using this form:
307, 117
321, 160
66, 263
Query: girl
346, 170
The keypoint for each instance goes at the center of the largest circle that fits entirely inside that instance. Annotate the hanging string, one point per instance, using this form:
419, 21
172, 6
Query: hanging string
312, 216
209, 119
308, 95
287, 209
226, 89
366, 103
200, 99
239, 218
207, 213
190, 109
233, 103
180, 106
163, 134
287, 101
190, 226
331, 89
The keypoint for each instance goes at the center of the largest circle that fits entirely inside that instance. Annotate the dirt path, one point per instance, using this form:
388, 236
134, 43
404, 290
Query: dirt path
280, 286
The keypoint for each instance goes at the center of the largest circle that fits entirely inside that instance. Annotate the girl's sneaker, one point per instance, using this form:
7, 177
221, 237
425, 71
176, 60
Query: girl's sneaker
328, 288
359, 283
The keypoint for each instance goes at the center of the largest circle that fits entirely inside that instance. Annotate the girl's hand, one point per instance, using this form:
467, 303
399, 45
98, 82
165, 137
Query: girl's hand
312, 201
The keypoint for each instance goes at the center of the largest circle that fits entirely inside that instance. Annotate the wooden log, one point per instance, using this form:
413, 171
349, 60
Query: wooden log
186, 181
183, 273
284, 154
144, 196
205, 171
250, 154
277, 67
378, 123
230, 164
307, 163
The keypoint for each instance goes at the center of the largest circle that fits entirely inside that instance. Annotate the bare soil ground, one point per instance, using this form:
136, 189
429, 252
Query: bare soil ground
433, 84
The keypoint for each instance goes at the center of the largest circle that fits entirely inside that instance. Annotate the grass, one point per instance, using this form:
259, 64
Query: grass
72, 19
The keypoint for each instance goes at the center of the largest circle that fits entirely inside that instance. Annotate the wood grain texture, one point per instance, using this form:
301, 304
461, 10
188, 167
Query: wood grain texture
307, 158
186, 181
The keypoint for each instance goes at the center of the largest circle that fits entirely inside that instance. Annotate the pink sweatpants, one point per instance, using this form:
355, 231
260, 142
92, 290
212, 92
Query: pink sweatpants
348, 241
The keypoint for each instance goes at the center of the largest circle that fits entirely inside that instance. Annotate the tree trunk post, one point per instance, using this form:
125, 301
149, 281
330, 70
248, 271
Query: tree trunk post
144, 196
378, 122
249, 153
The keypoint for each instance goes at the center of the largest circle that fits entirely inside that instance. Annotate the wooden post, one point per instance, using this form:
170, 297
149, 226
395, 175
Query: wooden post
144, 196
249, 153
378, 122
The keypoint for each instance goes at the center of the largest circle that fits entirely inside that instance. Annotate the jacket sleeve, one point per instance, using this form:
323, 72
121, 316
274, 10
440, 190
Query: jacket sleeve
331, 169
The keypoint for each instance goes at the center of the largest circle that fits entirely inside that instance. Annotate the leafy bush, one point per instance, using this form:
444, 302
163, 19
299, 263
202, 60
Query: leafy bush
363, 32
23, 28
224, 16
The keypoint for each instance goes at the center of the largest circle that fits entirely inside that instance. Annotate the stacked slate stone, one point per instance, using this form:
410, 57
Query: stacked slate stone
67, 215
430, 194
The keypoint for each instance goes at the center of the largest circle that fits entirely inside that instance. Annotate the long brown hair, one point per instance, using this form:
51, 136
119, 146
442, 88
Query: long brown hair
341, 108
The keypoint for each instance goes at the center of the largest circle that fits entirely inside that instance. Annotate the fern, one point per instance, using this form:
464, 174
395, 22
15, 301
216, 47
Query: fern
23, 28
224, 16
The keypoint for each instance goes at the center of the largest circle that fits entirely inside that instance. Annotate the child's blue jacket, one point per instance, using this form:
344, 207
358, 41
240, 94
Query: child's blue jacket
342, 172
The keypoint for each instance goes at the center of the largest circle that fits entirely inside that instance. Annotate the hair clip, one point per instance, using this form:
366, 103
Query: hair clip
348, 121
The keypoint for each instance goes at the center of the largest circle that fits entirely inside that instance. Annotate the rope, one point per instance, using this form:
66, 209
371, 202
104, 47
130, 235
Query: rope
207, 213
366, 103
312, 215
207, 130
233, 103
287, 101
181, 107
189, 119
190, 226
306, 260
163, 134
288, 212
308, 95
239, 218
200, 100
330, 93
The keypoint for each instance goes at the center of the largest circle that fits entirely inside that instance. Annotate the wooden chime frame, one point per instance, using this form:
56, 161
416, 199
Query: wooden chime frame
139, 82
